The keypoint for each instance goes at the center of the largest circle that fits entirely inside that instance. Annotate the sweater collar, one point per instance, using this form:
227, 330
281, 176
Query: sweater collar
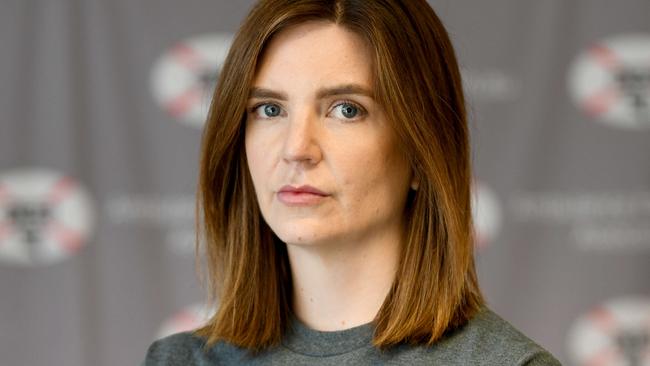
304, 340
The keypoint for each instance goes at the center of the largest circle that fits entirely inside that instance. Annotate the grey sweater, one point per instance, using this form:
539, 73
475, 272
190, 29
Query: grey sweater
485, 340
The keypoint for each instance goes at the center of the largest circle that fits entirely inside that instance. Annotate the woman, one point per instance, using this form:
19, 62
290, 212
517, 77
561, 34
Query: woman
335, 197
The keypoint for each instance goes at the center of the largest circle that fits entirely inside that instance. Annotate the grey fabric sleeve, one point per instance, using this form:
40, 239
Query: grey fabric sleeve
541, 358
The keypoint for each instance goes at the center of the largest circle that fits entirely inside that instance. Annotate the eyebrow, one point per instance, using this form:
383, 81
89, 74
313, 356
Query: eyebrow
257, 92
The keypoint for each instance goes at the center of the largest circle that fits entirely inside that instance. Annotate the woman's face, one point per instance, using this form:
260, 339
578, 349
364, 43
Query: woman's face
324, 162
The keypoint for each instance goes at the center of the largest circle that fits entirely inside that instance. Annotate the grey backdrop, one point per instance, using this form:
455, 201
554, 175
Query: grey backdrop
98, 162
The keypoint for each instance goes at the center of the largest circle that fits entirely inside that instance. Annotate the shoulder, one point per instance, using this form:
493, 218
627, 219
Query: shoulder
176, 349
486, 339
496, 340
188, 349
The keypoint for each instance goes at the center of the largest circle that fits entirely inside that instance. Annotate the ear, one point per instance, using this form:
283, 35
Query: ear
415, 184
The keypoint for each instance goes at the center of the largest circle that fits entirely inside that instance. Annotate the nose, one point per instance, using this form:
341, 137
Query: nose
301, 143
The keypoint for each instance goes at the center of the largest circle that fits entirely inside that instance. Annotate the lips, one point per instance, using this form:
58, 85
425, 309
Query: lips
301, 196
302, 189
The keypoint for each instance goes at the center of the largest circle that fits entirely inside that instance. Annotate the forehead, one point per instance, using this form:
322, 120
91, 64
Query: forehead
315, 52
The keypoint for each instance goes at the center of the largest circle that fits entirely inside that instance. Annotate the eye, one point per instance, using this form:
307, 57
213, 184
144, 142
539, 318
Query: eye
349, 110
266, 110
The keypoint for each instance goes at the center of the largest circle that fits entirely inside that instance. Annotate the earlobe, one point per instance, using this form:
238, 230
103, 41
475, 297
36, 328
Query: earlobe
415, 185
415, 182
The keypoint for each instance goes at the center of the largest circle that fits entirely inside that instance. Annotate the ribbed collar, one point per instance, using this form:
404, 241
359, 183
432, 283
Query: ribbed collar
304, 340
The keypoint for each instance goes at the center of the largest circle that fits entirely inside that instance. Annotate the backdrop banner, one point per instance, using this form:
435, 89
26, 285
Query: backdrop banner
101, 112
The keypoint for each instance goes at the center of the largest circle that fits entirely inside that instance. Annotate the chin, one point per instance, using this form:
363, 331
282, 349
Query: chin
306, 238
314, 230
301, 237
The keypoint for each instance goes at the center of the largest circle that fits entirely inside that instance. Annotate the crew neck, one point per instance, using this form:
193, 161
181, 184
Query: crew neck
301, 339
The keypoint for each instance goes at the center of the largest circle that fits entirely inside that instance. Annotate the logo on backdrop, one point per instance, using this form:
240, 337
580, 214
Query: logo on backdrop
183, 78
172, 215
486, 213
610, 81
491, 85
45, 217
616, 333
189, 318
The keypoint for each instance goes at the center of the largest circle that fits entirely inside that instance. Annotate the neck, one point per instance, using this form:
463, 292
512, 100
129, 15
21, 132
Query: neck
342, 285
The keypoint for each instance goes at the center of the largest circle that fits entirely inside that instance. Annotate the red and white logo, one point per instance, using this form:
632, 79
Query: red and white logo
189, 318
183, 78
486, 213
45, 217
616, 333
610, 81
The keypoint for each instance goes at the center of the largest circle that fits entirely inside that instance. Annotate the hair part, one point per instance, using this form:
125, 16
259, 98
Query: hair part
418, 83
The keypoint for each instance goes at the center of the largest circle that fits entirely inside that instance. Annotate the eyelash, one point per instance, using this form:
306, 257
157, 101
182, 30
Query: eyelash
362, 111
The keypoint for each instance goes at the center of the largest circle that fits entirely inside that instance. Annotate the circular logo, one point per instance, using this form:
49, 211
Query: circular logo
610, 81
45, 217
189, 318
183, 78
486, 214
616, 333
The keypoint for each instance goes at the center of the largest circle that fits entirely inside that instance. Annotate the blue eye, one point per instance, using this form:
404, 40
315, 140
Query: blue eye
271, 110
265, 110
349, 110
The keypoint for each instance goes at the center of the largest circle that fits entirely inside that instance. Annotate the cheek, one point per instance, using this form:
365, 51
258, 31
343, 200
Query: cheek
376, 176
365, 170
255, 157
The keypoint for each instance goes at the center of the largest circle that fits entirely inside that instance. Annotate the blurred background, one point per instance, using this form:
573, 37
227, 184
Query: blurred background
101, 109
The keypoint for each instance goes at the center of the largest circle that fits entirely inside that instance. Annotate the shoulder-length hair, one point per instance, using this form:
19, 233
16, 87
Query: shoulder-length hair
418, 83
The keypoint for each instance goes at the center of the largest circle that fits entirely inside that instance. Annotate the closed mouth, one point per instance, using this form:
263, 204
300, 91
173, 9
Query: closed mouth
302, 189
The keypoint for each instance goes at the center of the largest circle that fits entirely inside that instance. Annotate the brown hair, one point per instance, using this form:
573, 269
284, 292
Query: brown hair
417, 82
